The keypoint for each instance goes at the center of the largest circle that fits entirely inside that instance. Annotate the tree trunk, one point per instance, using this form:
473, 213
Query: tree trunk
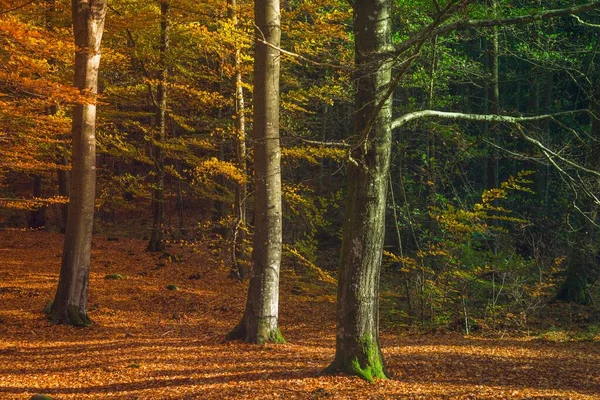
37, 217
70, 302
358, 350
158, 195
64, 190
493, 100
583, 254
179, 203
240, 229
259, 323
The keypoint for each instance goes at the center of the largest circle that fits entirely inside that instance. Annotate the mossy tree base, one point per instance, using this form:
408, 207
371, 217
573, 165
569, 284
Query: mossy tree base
362, 359
263, 334
41, 397
69, 316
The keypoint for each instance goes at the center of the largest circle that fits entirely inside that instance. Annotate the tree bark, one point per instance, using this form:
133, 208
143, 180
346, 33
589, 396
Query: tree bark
70, 301
240, 229
64, 190
156, 242
259, 323
493, 99
37, 217
358, 350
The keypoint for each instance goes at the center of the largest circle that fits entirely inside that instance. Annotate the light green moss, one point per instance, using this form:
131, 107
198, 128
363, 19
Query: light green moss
372, 367
275, 336
368, 364
41, 397
266, 334
48, 308
114, 277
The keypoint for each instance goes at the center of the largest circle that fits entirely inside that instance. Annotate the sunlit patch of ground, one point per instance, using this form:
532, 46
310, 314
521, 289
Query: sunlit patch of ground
151, 343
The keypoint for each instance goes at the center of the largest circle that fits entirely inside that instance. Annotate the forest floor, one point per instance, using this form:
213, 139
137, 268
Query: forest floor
148, 342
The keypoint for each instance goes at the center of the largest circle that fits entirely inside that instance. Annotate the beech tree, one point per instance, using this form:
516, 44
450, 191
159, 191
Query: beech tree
358, 350
239, 143
70, 302
158, 193
259, 322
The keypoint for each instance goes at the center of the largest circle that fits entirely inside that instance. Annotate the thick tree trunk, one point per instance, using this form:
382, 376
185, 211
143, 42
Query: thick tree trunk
70, 302
239, 232
357, 340
259, 323
156, 242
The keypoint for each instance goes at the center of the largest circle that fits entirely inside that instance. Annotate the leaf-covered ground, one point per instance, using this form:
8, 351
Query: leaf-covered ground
152, 343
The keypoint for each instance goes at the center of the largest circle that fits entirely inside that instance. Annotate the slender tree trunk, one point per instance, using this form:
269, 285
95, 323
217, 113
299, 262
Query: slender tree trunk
64, 190
583, 254
493, 100
240, 229
179, 203
259, 323
358, 350
158, 195
62, 174
37, 217
543, 188
70, 302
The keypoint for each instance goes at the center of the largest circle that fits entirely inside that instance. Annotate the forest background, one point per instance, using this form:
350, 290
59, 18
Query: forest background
491, 223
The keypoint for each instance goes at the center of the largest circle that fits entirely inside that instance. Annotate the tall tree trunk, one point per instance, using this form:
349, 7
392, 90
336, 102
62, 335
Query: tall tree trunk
493, 99
158, 194
70, 301
358, 350
240, 229
259, 323
62, 174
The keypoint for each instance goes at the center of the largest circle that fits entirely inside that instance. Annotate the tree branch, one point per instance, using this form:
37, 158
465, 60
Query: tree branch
489, 23
6, 11
398, 122
548, 153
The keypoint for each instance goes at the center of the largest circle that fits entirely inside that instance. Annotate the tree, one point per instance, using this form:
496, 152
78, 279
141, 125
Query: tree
259, 322
357, 337
239, 142
158, 193
70, 301
358, 350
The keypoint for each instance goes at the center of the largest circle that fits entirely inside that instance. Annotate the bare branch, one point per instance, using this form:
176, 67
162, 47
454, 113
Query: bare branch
301, 57
551, 155
398, 122
6, 11
582, 22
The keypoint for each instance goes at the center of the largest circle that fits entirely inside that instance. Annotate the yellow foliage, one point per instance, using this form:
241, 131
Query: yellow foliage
321, 275
214, 166
312, 154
